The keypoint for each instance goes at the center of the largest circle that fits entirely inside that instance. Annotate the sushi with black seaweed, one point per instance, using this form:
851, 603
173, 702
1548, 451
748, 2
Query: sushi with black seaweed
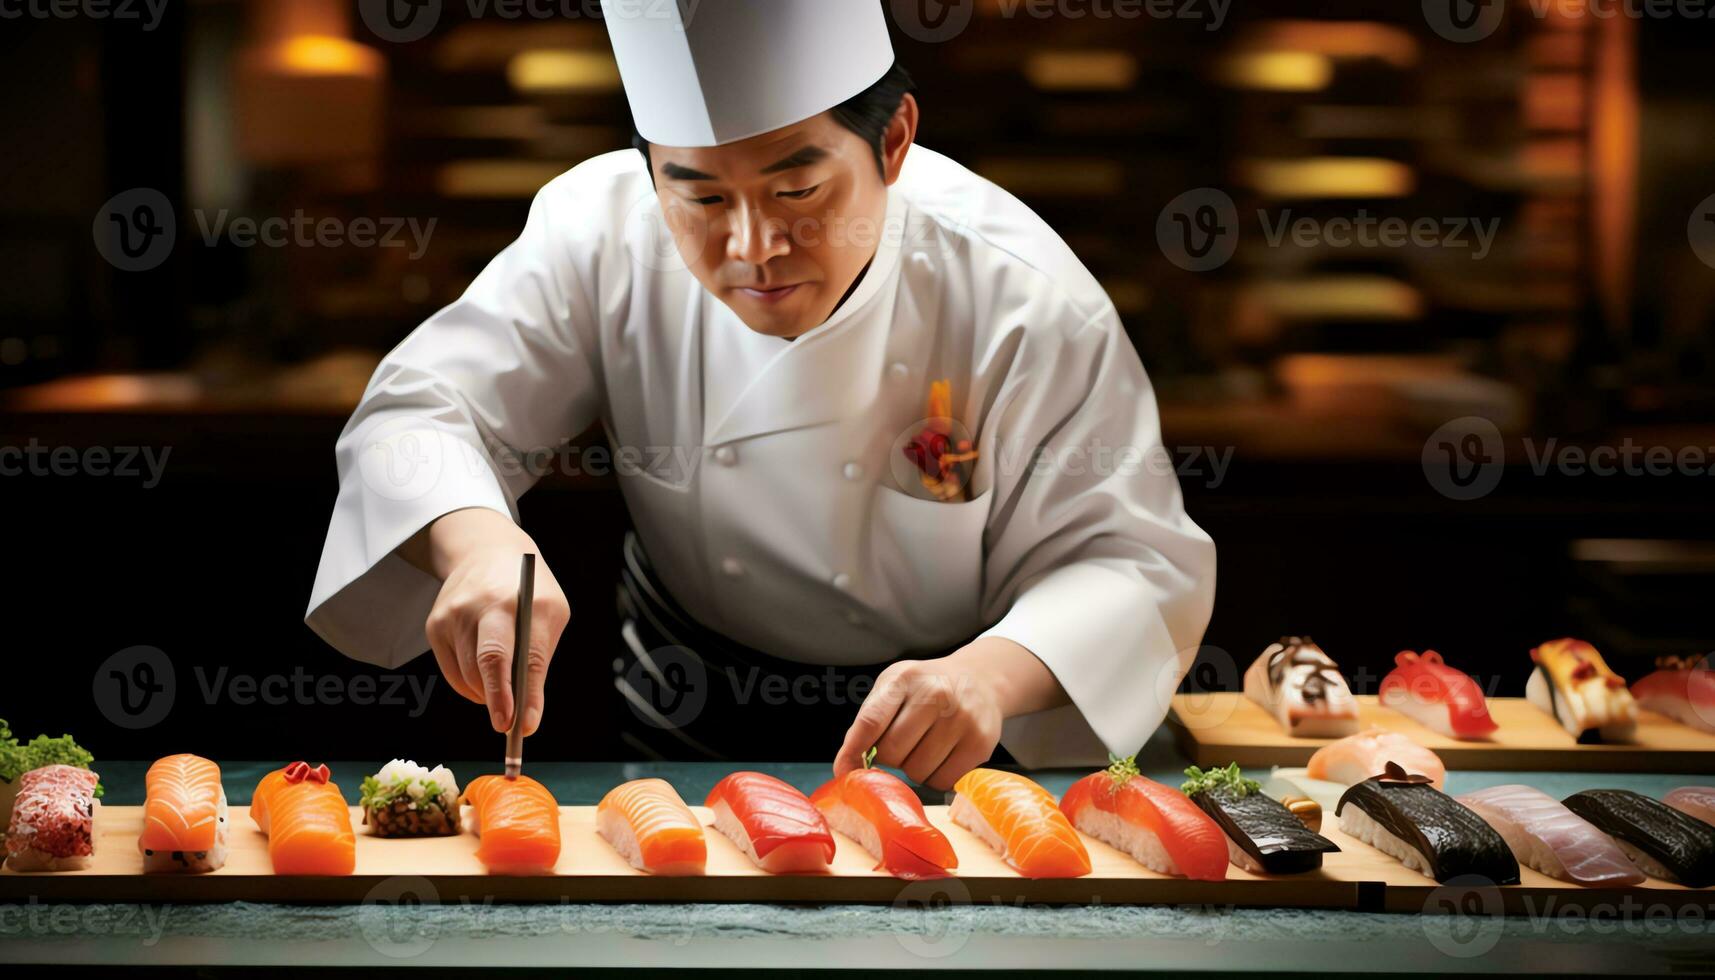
1263, 836
1403, 816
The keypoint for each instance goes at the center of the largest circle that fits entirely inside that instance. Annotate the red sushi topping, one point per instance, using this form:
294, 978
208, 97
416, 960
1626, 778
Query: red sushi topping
1426, 679
297, 772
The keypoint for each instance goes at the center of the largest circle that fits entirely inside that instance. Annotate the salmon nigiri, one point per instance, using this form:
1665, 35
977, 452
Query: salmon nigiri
879, 811
646, 821
518, 821
1020, 821
307, 822
773, 823
1156, 824
184, 816
1355, 758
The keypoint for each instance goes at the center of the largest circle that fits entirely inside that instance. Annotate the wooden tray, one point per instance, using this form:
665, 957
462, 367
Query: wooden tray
445, 869
1215, 729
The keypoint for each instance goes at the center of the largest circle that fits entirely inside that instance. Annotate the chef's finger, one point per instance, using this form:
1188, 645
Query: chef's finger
972, 751
547, 620
493, 660
447, 657
908, 728
873, 717
932, 749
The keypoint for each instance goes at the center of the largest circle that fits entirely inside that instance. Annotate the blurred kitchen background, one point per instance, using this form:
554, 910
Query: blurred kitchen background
1587, 142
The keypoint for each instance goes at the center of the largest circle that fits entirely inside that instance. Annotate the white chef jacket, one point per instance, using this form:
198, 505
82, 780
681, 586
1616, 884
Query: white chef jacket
762, 478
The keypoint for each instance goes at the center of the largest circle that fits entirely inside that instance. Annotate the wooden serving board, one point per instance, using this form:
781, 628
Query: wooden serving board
1215, 729
445, 870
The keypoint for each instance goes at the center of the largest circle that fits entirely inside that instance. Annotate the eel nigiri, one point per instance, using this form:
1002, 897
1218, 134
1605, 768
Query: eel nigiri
1695, 801
1301, 686
1261, 835
53, 820
771, 822
518, 822
1436, 696
1547, 836
184, 816
1021, 822
1402, 815
1681, 690
1662, 841
648, 823
1572, 682
1156, 824
1355, 758
876, 809
307, 822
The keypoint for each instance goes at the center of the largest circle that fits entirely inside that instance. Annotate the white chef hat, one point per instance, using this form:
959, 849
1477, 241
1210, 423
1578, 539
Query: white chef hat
709, 72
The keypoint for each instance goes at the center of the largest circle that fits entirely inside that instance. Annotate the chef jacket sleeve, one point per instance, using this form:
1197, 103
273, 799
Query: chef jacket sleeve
464, 413
1092, 563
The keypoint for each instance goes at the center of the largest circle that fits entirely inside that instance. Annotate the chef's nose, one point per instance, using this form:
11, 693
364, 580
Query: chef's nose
756, 237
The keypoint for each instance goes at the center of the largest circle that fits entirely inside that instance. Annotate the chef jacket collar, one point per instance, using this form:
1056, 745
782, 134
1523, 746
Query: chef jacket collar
831, 371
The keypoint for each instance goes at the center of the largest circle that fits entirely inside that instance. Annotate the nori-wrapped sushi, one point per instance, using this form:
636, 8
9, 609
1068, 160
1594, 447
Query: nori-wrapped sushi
1262, 834
1663, 842
1402, 815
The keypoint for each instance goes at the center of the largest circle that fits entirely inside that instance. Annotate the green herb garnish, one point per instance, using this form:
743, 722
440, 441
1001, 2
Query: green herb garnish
16, 759
1228, 778
869, 757
375, 795
1122, 769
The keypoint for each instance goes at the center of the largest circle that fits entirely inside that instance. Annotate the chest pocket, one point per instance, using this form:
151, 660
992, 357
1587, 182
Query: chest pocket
931, 555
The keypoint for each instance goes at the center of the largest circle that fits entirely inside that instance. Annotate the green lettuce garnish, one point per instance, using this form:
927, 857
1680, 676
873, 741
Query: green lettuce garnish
1228, 778
1122, 769
375, 796
16, 759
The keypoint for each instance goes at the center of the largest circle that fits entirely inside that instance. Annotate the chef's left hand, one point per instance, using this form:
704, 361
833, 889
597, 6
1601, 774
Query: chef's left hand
939, 719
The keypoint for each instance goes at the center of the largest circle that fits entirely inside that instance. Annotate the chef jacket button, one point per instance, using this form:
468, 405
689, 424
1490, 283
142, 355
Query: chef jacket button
842, 581
900, 371
726, 455
732, 567
853, 471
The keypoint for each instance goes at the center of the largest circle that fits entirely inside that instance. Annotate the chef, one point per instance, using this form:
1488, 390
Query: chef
893, 466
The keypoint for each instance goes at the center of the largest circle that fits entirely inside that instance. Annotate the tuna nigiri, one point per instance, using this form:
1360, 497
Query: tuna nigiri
1157, 825
1020, 820
649, 824
307, 822
1355, 758
1436, 696
184, 816
1694, 801
518, 822
773, 823
1682, 691
1545, 835
881, 813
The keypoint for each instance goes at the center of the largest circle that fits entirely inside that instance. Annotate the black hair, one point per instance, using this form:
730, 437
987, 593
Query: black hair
866, 114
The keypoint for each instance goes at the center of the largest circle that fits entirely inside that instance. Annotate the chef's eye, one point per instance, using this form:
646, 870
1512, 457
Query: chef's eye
712, 199
799, 195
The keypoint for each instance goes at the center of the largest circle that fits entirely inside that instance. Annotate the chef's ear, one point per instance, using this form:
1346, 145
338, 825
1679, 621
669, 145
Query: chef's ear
896, 141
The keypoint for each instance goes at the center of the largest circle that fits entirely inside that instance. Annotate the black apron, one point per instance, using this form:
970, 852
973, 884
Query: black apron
691, 694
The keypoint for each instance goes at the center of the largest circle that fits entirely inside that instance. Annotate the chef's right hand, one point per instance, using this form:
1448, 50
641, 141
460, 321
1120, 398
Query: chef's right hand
475, 554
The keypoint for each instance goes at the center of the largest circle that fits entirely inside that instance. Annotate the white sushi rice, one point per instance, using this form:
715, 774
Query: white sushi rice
1435, 717
1356, 823
193, 862
1241, 858
846, 821
1647, 864
616, 830
966, 815
1141, 843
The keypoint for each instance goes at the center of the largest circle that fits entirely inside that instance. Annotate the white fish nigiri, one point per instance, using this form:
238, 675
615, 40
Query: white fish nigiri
1693, 801
1547, 836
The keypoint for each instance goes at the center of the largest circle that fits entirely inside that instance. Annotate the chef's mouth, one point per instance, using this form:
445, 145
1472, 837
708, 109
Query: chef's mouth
771, 295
